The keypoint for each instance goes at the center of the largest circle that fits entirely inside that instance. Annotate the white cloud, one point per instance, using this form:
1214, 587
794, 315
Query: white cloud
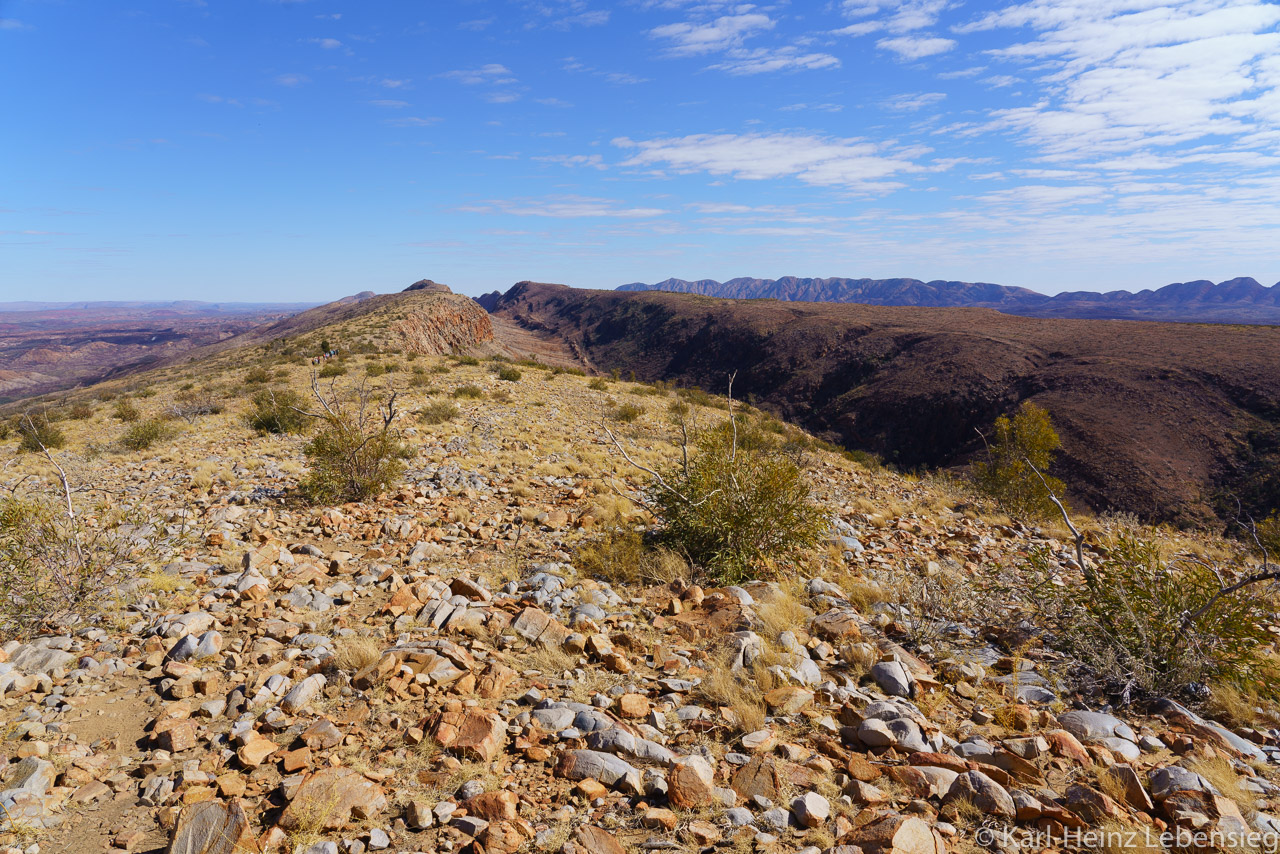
564, 207
764, 60
11, 24
822, 108
292, 79
327, 44
593, 161
492, 73
1118, 76
393, 84
477, 24
821, 161
690, 39
911, 103
916, 47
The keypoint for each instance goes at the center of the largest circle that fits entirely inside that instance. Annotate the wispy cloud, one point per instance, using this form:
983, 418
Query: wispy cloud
916, 47
593, 161
911, 102
413, 121
764, 60
690, 38
327, 44
292, 79
493, 74
823, 161
12, 24
389, 104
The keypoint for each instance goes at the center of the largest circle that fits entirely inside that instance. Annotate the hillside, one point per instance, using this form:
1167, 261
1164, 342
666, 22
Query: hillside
1156, 419
1240, 300
46, 347
432, 669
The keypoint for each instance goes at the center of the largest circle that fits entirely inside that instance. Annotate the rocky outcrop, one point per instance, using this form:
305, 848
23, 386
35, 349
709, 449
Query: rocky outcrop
444, 323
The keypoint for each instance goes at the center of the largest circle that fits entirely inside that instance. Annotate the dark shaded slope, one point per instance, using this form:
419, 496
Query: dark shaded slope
1155, 418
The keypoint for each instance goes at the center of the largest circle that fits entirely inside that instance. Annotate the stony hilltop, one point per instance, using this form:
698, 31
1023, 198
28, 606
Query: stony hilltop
433, 670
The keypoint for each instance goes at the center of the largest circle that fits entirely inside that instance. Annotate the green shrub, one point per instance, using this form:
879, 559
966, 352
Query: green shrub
598, 384
126, 410
473, 392
1018, 447
257, 375
143, 434
38, 433
276, 411
437, 412
53, 566
740, 501
466, 360
357, 454
1137, 618
332, 369
80, 411
510, 374
627, 412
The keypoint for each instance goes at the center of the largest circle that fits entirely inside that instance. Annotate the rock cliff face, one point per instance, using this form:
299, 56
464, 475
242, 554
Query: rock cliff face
444, 323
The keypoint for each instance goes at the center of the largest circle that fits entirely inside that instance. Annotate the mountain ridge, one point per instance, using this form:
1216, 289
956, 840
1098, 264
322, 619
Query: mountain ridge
1239, 300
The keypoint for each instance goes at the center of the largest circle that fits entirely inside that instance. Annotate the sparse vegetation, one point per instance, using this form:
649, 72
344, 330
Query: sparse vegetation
143, 434
332, 369
1015, 472
1141, 620
508, 373
620, 554
37, 432
357, 452
277, 411
126, 410
472, 392
437, 412
627, 413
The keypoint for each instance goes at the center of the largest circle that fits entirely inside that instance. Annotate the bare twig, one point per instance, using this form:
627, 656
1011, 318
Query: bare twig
1079, 537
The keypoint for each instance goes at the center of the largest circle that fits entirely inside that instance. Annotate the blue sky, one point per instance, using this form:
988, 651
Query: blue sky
306, 150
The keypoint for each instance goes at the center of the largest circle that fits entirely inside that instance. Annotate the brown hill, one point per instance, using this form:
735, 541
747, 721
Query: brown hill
1159, 419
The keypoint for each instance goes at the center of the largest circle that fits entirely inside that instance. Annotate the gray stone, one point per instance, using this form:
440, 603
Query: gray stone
1095, 726
894, 678
983, 792
303, 693
1174, 778
811, 809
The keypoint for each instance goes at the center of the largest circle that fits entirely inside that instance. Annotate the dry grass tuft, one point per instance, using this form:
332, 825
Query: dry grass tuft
356, 652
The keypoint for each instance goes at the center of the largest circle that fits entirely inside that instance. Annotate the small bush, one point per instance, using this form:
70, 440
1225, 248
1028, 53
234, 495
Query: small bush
1020, 443
598, 384
437, 412
627, 413
257, 375
38, 433
190, 403
466, 360
740, 500
510, 374
276, 411
126, 410
80, 411
375, 369
355, 455
332, 369
621, 555
142, 435
473, 392
54, 567
1132, 619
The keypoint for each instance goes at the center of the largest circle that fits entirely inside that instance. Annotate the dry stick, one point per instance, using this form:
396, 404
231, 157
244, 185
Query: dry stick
1079, 537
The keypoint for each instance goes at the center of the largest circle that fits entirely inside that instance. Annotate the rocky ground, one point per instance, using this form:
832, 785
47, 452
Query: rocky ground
430, 672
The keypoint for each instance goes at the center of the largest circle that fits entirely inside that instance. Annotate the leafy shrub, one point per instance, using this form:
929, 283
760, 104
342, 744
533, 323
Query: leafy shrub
739, 500
126, 410
376, 369
357, 453
510, 374
1158, 624
473, 392
627, 412
257, 375
276, 411
80, 411
38, 433
437, 412
598, 384
143, 434
1018, 447
52, 565
190, 403
466, 360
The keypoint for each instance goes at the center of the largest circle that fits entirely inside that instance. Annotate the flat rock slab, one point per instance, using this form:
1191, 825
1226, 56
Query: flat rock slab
212, 827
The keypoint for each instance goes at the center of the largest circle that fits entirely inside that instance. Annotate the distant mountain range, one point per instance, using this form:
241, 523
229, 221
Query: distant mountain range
1240, 300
